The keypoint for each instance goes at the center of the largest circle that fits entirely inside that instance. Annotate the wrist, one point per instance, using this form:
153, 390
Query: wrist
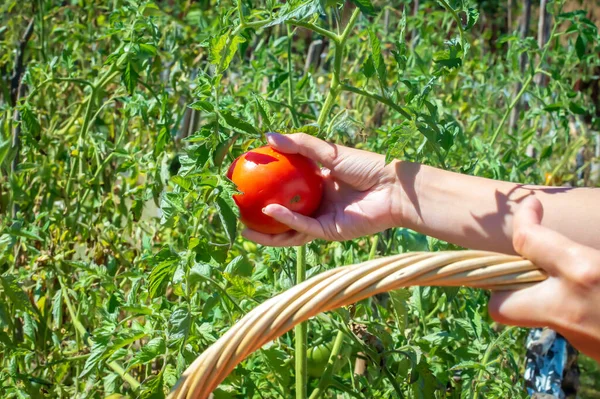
404, 198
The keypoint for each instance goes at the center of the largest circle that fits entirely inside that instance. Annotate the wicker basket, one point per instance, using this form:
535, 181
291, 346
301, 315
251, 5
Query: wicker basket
343, 286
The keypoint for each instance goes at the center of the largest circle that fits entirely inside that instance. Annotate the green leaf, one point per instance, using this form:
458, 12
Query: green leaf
237, 124
368, 68
264, 110
228, 218
4, 150
297, 11
378, 61
57, 309
472, 17
202, 105
365, 6
96, 356
160, 275
180, 323
576, 109
239, 266
16, 295
223, 49
130, 77
399, 299
30, 121
149, 351
580, 46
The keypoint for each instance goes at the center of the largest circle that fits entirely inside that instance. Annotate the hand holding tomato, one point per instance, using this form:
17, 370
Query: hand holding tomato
264, 177
358, 194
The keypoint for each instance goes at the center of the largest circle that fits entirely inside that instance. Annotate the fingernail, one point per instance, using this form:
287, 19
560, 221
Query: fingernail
264, 210
272, 137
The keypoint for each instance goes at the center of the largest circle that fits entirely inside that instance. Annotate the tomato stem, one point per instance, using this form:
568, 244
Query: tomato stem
300, 331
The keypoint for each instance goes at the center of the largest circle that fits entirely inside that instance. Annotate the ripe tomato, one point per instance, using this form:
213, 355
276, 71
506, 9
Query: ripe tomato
266, 176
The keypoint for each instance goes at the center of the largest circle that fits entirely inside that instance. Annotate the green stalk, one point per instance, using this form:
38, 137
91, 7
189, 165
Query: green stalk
451, 10
116, 367
328, 374
295, 120
327, 378
300, 331
334, 89
511, 106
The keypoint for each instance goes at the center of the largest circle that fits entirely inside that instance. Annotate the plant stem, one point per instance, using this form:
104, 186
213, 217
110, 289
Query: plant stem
300, 331
511, 106
451, 10
328, 374
334, 89
116, 367
324, 32
295, 120
379, 98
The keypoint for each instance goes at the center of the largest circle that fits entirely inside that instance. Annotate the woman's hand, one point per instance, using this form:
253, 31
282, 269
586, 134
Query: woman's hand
359, 194
569, 300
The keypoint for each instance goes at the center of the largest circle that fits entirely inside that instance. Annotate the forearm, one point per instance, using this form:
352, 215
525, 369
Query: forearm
477, 213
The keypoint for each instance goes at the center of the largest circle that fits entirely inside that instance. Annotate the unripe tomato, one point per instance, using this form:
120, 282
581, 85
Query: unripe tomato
265, 176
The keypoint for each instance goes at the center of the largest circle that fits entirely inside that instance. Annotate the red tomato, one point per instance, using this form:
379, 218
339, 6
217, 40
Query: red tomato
266, 176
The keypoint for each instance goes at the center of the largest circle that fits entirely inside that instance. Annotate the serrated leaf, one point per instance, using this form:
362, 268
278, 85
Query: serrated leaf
57, 309
30, 121
182, 182
124, 339
150, 351
377, 57
202, 105
96, 355
16, 295
180, 322
239, 266
472, 17
264, 110
238, 124
365, 6
160, 275
368, 68
297, 11
130, 77
228, 218
399, 299
223, 49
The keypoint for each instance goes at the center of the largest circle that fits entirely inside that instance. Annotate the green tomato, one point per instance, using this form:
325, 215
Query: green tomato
318, 356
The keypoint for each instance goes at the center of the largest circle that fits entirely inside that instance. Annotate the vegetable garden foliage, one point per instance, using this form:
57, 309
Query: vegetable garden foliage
111, 110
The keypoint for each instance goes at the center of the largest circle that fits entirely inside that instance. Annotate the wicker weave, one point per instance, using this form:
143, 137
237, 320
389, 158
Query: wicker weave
343, 286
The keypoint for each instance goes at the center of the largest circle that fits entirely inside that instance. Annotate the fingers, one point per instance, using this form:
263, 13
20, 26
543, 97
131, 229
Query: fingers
357, 168
544, 247
529, 307
289, 239
300, 223
325, 153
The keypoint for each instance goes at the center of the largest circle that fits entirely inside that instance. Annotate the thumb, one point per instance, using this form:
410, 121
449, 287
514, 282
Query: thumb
327, 154
544, 247
357, 168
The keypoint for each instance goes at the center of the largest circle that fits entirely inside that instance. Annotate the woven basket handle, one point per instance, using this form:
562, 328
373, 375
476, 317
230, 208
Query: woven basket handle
343, 286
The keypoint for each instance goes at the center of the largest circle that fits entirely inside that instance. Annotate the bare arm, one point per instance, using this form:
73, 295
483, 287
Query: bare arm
477, 213
363, 196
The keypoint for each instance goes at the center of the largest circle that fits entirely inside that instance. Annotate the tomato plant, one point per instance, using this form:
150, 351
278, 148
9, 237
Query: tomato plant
265, 176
